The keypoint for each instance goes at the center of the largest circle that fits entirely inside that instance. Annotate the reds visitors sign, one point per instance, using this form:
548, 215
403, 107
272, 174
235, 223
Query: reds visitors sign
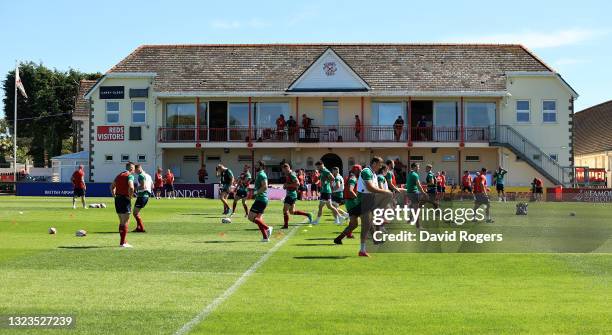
110, 133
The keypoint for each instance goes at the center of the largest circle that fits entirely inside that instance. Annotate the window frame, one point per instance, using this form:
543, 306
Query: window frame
106, 111
125, 160
143, 160
108, 161
522, 111
132, 102
465, 159
555, 113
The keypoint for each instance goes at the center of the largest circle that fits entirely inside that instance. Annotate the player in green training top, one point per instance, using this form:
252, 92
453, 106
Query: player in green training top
352, 203
291, 185
261, 201
143, 192
432, 186
326, 193
242, 190
227, 179
372, 197
498, 180
414, 189
338, 192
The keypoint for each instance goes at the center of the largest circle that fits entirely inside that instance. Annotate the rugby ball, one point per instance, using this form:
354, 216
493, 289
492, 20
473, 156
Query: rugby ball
80, 233
226, 220
103, 205
52, 230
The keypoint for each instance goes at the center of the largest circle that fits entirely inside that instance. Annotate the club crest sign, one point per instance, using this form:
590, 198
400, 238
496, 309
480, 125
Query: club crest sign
330, 68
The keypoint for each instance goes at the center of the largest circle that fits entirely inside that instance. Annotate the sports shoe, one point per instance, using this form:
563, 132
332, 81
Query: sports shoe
338, 240
309, 218
265, 240
363, 254
126, 245
315, 222
229, 212
269, 232
73, 206
138, 231
285, 227
337, 221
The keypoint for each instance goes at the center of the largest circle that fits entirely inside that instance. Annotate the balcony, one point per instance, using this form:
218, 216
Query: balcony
324, 134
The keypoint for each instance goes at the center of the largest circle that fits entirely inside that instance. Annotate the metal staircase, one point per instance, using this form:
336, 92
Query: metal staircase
508, 137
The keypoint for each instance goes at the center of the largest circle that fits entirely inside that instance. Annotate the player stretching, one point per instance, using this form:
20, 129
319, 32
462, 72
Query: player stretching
144, 191
498, 179
291, 185
352, 203
159, 183
371, 197
481, 194
242, 190
122, 190
261, 201
227, 179
466, 184
325, 199
78, 181
338, 192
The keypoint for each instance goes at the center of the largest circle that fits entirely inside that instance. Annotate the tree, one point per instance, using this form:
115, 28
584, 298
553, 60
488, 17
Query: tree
45, 116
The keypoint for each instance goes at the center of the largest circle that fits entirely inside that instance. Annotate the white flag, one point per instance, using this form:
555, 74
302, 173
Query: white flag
19, 84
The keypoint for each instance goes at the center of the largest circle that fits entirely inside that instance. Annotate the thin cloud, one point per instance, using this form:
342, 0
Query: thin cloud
538, 40
237, 24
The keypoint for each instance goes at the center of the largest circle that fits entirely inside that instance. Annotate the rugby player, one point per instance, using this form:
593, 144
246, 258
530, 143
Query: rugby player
352, 203
159, 183
432, 187
481, 194
315, 184
302, 189
242, 191
291, 185
414, 189
143, 192
338, 192
261, 201
466, 184
227, 179
372, 197
78, 183
498, 179
169, 185
326, 192
122, 189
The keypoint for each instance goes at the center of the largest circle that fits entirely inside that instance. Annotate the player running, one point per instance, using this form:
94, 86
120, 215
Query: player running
291, 185
78, 183
371, 197
326, 192
338, 192
352, 203
432, 187
143, 192
498, 180
242, 191
122, 190
481, 194
159, 183
227, 179
466, 184
261, 201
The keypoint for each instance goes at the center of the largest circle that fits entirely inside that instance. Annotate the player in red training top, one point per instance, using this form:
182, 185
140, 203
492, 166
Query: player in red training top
122, 190
481, 193
78, 183
158, 183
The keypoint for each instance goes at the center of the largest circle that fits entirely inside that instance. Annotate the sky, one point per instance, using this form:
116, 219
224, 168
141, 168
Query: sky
575, 38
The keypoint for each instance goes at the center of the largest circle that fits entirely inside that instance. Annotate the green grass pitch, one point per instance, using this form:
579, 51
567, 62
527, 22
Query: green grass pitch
308, 286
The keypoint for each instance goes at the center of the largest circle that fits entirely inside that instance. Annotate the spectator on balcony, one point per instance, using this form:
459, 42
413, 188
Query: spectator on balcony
358, 128
292, 128
280, 127
422, 128
307, 125
398, 128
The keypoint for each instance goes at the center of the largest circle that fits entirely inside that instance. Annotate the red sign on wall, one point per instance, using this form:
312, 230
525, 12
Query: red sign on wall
110, 133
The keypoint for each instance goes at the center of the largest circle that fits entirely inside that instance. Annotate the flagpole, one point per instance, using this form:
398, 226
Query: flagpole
15, 133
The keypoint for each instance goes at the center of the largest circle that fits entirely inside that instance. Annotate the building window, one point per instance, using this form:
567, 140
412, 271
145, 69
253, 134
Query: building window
416, 158
191, 158
141, 157
472, 158
139, 112
108, 158
523, 111
536, 157
244, 158
309, 162
549, 111
555, 157
213, 158
330, 113
112, 112
135, 133
125, 158
180, 115
266, 113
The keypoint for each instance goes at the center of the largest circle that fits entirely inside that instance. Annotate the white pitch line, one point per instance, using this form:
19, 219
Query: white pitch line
228, 293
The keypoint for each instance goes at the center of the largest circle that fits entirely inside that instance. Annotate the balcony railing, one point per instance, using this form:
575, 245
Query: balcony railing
323, 134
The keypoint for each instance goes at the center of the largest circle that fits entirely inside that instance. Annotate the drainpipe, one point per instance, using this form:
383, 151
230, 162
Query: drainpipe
250, 144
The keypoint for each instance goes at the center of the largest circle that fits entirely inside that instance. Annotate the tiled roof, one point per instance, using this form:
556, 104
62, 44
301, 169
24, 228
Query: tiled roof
385, 67
81, 106
593, 129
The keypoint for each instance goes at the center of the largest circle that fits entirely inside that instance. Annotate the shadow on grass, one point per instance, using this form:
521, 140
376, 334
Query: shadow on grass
83, 247
320, 257
222, 241
105, 232
314, 244
320, 239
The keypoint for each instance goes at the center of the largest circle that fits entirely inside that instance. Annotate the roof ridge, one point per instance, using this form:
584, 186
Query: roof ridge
594, 106
324, 44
